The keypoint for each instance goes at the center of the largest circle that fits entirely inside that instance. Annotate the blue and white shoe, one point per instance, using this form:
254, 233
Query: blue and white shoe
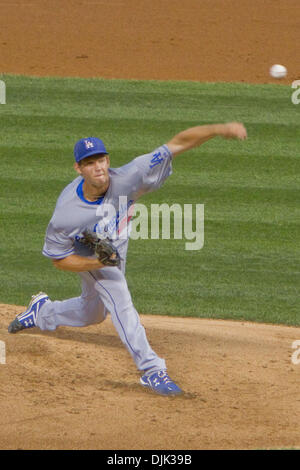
160, 383
28, 318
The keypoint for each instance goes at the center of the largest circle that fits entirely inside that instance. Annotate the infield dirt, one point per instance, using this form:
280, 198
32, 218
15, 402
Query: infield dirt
78, 388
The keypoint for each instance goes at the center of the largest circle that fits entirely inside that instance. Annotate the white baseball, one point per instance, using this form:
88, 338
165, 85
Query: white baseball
278, 71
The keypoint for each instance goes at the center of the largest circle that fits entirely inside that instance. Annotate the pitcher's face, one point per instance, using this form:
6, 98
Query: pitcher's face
94, 170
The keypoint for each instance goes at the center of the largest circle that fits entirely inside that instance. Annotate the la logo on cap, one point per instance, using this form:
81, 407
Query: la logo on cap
88, 144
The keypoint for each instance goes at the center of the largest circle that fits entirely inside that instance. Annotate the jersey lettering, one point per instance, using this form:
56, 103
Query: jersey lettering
156, 160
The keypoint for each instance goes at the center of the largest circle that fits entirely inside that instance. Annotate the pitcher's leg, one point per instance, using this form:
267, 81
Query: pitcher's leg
78, 311
112, 287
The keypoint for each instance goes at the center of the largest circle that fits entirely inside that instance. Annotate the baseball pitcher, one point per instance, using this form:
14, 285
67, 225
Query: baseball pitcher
88, 234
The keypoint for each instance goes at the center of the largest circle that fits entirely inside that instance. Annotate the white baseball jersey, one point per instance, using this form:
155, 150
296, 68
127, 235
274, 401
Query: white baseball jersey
110, 215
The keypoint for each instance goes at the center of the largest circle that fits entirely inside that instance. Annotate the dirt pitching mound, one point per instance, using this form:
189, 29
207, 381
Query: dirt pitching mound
77, 388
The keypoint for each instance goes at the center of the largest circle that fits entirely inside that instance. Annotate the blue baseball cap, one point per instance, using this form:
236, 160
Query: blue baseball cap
89, 146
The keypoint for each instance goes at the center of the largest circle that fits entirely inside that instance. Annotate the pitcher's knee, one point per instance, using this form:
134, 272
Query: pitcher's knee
94, 309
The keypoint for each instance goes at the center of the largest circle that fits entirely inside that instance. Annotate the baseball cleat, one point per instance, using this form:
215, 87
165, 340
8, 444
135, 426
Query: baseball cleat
28, 318
160, 383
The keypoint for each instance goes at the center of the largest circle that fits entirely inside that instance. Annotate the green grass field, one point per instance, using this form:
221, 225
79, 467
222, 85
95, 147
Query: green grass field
249, 266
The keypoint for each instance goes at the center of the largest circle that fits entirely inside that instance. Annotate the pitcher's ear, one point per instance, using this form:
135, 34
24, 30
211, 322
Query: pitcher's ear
77, 168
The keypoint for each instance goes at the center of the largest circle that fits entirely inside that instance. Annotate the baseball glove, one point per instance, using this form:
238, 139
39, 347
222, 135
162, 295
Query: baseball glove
106, 253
